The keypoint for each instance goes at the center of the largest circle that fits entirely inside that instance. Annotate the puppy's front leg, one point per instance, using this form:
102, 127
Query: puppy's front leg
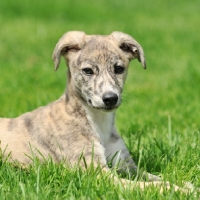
118, 154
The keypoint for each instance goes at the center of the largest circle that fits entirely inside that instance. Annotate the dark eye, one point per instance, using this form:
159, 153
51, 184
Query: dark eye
118, 69
88, 71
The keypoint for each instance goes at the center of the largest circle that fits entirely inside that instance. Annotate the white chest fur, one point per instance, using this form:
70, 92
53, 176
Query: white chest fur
102, 123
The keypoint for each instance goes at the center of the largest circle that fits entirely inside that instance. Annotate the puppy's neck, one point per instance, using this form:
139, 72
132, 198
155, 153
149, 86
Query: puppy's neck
101, 122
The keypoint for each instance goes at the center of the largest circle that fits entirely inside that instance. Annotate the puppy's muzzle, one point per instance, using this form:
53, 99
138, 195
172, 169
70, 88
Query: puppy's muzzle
110, 99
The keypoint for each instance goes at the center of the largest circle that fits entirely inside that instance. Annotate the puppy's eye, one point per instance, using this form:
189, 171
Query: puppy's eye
118, 69
88, 71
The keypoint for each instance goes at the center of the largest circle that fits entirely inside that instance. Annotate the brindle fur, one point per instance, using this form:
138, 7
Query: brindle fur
79, 121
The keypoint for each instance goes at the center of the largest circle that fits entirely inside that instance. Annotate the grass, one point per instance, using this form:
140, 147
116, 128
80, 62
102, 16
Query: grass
160, 112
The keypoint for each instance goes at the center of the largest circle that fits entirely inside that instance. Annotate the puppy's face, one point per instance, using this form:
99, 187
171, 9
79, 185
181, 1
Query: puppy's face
98, 65
98, 73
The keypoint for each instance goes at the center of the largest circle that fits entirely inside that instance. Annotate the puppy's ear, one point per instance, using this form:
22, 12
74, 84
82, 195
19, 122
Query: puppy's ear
130, 47
70, 41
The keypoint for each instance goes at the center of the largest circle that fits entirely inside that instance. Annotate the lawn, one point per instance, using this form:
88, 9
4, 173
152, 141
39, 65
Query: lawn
159, 118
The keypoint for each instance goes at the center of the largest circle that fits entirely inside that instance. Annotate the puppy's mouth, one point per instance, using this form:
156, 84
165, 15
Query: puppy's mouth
103, 108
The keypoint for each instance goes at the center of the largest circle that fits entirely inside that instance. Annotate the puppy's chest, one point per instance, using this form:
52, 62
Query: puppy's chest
102, 125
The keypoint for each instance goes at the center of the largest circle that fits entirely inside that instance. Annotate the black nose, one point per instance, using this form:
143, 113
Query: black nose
110, 99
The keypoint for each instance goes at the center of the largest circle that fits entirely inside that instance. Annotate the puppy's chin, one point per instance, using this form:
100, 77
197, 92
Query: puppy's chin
105, 109
109, 109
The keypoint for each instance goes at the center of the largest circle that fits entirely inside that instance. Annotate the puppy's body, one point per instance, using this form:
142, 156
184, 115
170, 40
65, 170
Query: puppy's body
64, 130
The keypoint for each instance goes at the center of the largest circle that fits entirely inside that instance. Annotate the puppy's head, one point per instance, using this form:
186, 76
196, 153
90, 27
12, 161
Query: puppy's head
98, 65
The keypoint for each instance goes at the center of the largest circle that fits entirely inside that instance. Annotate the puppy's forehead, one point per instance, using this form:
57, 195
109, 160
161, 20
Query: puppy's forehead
96, 42
99, 48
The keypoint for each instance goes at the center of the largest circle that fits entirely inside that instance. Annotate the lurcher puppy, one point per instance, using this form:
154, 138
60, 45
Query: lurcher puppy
83, 118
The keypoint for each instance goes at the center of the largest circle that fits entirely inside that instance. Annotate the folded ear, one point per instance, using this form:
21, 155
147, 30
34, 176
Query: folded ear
130, 46
70, 41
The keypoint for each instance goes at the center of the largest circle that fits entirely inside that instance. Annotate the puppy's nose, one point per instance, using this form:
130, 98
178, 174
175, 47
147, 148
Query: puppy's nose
110, 98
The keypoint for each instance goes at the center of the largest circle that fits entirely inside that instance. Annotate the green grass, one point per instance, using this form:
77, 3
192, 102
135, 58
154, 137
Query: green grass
160, 112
